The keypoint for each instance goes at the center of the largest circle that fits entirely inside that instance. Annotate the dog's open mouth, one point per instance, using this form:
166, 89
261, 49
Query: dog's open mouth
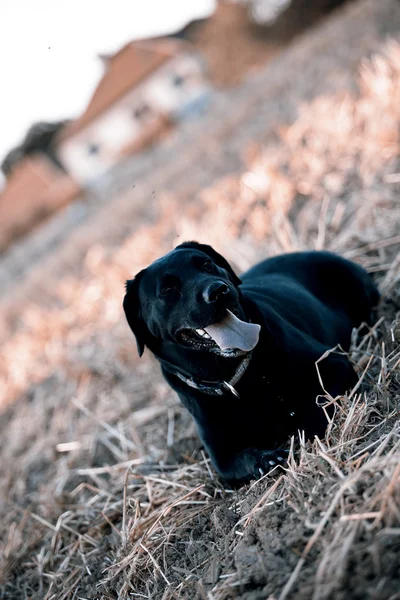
229, 337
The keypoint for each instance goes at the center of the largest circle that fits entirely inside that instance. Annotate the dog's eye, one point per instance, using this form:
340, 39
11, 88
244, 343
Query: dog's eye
166, 291
169, 286
207, 266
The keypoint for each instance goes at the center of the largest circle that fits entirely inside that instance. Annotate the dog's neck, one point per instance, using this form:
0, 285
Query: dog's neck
216, 388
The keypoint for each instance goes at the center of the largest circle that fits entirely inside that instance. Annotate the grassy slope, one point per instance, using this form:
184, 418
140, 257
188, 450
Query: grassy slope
132, 507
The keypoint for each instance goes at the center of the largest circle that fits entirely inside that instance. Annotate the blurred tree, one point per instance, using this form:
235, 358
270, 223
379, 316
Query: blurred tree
241, 35
39, 139
283, 19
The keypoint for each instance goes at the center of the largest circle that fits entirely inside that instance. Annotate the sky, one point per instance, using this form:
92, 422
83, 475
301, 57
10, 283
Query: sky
49, 63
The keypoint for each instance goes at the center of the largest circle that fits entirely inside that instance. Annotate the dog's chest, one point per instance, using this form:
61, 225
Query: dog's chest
268, 399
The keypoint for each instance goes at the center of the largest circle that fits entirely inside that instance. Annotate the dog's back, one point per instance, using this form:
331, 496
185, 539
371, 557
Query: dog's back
338, 283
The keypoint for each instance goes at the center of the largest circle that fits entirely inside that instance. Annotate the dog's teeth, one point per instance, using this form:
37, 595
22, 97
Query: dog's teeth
203, 333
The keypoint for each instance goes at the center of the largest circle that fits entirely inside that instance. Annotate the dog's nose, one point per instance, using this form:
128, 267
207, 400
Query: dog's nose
214, 291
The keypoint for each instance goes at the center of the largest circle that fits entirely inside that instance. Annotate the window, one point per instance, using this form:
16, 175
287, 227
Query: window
141, 111
178, 81
93, 149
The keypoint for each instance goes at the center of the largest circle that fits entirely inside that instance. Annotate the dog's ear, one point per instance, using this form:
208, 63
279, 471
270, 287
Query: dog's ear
133, 313
217, 258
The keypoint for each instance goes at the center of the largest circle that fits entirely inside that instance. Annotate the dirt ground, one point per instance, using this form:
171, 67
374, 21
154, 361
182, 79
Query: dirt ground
106, 492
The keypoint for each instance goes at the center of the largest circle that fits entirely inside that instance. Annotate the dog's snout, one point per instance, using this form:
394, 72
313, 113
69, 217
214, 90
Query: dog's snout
214, 290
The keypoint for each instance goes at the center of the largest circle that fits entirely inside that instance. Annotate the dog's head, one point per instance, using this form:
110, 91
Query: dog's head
189, 297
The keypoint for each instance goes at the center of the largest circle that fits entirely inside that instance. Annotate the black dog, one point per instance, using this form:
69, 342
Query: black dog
241, 354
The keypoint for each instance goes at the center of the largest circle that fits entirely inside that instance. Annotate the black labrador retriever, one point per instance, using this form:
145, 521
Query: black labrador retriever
241, 354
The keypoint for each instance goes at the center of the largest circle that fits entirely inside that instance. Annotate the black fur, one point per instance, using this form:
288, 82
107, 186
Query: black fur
306, 304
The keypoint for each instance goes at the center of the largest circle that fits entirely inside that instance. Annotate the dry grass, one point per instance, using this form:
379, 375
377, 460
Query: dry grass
106, 493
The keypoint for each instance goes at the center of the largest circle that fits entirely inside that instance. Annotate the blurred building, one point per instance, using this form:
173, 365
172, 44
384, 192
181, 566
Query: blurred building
146, 87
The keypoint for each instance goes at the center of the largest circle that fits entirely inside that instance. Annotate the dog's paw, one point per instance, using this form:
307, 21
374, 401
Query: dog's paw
252, 464
269, 459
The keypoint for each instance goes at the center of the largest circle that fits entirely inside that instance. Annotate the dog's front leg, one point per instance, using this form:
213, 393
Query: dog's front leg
239, 467
252, 464
224, 429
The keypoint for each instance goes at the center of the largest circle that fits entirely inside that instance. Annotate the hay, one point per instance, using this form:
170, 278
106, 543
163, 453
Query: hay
106, 493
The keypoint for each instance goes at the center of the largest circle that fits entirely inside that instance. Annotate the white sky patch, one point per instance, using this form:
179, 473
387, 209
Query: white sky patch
49, 63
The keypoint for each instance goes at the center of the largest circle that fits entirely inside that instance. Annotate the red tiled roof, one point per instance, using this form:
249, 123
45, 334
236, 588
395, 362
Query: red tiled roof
126, 69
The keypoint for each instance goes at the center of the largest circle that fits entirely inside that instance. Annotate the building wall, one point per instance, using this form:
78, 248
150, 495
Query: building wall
34, 190
178, 84
173, 90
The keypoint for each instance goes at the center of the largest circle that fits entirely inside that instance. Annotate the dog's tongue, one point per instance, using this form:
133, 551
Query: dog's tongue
233, 333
